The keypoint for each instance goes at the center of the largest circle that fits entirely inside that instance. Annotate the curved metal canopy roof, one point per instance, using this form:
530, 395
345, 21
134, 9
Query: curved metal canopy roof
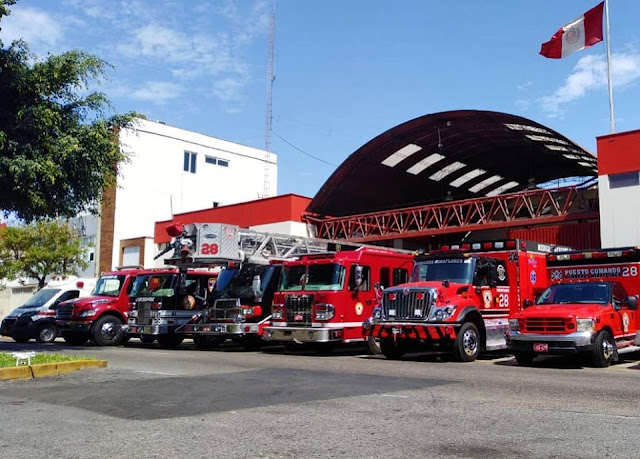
450, 155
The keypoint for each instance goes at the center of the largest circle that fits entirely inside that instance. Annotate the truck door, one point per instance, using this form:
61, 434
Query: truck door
626, 318
484, 281
361, 293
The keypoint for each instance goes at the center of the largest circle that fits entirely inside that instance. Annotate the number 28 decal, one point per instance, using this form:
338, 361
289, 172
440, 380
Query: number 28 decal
630, 271
503, 300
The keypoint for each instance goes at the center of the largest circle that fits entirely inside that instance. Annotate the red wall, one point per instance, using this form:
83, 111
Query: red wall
618, 153
574, 235
288, 207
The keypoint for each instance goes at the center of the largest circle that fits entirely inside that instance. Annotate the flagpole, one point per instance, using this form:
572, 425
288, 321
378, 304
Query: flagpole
612, 120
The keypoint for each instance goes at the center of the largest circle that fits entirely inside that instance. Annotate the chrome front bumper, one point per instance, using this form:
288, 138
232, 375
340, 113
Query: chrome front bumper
302, 334
221, 329
556, 344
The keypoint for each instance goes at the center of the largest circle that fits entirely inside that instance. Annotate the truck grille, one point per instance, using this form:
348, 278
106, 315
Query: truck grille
407, 304
299, 309
64, 312
225, 308
144, 312
543, 325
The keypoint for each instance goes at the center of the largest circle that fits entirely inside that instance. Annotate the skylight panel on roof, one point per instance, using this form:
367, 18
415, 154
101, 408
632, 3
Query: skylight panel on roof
424, 163
585, 164
524, 127
401, 154
556, 147
485, 183
571, 156
502, 189
451, 168
544, 138
468, 176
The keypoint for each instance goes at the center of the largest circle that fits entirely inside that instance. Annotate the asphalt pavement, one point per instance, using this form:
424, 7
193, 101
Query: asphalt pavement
229, 403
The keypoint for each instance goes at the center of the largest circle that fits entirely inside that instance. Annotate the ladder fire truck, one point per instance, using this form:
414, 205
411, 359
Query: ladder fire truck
240, 309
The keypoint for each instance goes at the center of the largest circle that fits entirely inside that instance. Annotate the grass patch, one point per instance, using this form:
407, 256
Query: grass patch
8, 360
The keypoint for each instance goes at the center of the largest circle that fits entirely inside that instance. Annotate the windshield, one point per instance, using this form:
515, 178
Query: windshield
241, 286
458, 270
109, 285
225, 276
329, 276
156, 285
590, 293
40, 298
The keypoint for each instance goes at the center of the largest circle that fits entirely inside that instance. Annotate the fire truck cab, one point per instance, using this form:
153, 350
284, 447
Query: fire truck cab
590, 307
459, 299
323, 298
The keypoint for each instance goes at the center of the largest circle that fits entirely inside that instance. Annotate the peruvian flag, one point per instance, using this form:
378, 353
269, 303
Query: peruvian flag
576, 35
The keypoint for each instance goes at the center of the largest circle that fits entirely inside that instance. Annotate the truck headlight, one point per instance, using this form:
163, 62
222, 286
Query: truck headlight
277, 311
324, 311
442, 313
87, 313
513, 325
583, 325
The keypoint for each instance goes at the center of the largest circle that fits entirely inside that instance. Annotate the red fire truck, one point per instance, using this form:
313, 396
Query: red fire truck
459, 298
590, 307
323, 298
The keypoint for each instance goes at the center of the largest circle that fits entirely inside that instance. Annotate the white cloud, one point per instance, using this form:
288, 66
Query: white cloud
157, 91
34, 26
228, 89
590, 74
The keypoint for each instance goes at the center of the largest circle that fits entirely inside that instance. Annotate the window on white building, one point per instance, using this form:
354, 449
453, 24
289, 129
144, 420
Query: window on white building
216, 161
190, 161
624, 180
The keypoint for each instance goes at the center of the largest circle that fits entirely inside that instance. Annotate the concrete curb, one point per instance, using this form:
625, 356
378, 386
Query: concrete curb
48, 369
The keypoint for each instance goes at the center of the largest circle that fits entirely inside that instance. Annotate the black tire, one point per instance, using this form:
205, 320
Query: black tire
603, 350
75, 339
170, 341
147, 339
524, 358
107, 331
391, 349
46, 333
251, 342
205, 342
373, 346
466, 347
20, 339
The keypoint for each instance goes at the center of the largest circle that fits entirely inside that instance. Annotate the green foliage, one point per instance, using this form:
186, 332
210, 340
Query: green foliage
40, 250
57, 151
7, 360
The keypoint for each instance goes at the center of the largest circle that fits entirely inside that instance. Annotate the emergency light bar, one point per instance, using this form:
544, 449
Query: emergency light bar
490, 245
594, 255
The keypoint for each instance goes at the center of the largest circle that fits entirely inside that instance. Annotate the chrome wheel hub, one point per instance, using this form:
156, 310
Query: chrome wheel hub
607, 349
469, 342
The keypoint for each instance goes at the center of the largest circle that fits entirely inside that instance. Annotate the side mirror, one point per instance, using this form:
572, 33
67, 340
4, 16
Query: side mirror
358, 276
632, 303
255, 286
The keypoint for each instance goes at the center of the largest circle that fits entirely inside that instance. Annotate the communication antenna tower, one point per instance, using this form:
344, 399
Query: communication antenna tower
271, 76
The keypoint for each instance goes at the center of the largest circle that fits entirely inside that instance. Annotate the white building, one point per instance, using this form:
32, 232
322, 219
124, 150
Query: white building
169, 171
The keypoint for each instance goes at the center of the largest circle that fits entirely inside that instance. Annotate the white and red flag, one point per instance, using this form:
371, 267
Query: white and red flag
580, 33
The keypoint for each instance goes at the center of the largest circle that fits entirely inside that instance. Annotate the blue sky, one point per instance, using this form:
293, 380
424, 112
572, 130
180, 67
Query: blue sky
346, 71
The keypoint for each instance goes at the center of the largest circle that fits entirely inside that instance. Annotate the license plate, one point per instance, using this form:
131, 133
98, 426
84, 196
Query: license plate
540, 347
219, 328
298, 318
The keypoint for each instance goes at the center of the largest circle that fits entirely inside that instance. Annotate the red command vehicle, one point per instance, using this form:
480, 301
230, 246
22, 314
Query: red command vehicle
590, 307
324, 298
459, 300
100, 316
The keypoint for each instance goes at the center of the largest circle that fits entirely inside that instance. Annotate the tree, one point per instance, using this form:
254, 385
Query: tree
41, 250
57, 152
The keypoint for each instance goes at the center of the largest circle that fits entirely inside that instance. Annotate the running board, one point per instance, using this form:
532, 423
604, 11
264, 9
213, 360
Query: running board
628, 349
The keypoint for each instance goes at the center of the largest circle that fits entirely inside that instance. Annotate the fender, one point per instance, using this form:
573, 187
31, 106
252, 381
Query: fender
466, 310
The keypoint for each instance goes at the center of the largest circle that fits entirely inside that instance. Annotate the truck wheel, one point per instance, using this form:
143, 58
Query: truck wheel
205, 342
107, 331
20, 339
467, 343
603, 350
524, 358
170, 340
147, 339
75, 339
391, 349
373, 345
46, 333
